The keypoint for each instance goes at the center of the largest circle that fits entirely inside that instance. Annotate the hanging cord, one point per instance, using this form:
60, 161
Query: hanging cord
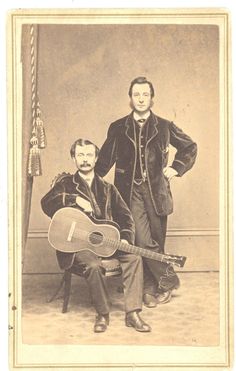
38, 138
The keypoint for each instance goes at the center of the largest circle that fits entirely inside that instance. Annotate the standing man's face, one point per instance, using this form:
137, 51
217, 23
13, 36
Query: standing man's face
85, 158
141, 98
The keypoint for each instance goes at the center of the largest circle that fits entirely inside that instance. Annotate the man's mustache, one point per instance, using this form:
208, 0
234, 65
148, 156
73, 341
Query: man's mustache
85, 164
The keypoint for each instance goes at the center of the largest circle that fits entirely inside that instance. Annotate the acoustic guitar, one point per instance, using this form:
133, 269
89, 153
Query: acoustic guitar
71, 230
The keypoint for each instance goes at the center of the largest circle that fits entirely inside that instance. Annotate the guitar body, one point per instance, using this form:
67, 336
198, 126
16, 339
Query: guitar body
71, 231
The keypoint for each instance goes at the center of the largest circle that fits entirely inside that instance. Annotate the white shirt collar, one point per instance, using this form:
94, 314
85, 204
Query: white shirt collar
138, 117
87, 177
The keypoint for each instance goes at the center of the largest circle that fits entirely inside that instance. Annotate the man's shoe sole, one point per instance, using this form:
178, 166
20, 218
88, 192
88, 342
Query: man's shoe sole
128, 324
101, 329
168, 298
149, 301
150, 305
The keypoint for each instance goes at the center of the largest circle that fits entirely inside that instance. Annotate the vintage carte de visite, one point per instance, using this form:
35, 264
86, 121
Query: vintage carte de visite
69, 74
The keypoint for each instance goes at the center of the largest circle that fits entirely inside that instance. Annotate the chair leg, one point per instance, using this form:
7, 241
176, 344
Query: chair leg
58, 289
66, 291
120, 289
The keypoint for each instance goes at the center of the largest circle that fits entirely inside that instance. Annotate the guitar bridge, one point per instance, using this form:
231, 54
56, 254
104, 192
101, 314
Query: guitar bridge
71, 231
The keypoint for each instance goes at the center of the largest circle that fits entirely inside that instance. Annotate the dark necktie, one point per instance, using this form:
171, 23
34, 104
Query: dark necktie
141, 121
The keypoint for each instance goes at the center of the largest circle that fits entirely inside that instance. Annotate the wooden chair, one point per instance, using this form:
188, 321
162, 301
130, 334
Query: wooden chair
111, 267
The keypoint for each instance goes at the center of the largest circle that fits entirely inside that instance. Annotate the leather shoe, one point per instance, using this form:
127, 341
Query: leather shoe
149, 301
164, 297
101, 323
134, 320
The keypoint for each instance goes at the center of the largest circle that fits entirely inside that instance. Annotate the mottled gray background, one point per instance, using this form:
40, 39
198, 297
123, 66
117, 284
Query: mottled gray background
84, 76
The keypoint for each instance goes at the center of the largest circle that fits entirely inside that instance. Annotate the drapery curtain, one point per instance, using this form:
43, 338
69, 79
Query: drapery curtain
29, 56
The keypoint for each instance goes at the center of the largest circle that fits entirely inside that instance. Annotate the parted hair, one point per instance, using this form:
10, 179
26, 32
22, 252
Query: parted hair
82, 142
141, 80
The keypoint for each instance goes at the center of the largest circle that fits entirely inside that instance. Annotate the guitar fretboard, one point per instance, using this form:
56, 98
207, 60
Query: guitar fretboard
139, 251
146, 253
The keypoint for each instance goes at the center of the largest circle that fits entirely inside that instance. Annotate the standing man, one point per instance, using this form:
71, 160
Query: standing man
139, 145
88, 192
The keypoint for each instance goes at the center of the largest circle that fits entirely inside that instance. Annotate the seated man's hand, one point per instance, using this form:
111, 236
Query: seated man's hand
169, 172
84, 204
124, 241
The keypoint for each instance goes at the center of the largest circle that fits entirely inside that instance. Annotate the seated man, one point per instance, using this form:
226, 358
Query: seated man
86, 191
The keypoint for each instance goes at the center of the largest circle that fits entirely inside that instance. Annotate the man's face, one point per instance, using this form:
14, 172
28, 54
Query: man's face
141, 98
85, 158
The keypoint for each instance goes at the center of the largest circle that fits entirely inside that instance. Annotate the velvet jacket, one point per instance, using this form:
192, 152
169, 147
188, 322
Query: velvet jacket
109, 200
120, 149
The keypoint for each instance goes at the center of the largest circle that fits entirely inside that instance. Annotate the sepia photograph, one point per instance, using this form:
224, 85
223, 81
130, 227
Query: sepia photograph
119, 157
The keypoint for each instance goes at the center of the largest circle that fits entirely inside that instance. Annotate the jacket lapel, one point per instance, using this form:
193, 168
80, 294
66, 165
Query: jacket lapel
80, 186
129, 129
100, 190
152, 128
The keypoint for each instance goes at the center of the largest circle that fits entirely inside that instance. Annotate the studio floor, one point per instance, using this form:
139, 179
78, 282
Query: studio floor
191, 318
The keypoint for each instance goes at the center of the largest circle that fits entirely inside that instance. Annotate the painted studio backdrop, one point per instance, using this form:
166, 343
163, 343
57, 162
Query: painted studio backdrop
83, 76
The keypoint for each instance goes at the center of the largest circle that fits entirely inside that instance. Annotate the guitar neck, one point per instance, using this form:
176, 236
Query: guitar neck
147, 253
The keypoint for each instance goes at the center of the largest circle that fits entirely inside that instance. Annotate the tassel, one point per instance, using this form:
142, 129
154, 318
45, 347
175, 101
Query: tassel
40, 133
34, 164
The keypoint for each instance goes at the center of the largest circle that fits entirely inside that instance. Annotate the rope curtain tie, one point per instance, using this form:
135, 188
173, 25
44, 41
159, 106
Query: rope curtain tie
38, 137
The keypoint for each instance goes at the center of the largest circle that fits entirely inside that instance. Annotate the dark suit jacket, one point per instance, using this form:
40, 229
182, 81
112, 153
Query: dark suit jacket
120, 148
109, 200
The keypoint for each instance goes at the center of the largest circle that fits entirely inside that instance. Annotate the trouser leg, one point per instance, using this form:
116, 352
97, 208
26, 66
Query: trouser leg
132, 274
96, 280
143, 237
158, 226
164, 274
151, 228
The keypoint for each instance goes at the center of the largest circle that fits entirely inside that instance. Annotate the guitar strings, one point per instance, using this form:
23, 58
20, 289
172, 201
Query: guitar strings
99, 237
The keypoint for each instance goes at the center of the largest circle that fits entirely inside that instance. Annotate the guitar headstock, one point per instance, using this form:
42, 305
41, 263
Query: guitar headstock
175, 259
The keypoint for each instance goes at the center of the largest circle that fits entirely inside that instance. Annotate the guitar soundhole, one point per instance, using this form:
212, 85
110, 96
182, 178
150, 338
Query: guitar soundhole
96, 238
